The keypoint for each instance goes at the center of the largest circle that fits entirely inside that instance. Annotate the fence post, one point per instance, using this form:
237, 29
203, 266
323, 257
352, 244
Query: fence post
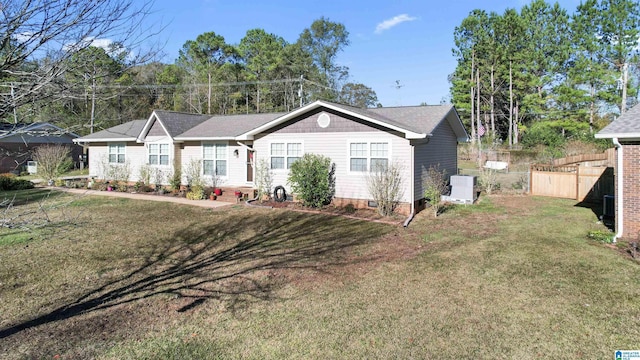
531, 179
578, 182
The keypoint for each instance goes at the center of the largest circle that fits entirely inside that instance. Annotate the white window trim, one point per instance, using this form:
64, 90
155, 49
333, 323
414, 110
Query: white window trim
170, 151
124, 145
389, 143
285, 142
226, 158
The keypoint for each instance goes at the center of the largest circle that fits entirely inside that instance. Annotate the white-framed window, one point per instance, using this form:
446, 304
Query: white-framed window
283, 154
117, 153
214, 159
158, 154
365, 156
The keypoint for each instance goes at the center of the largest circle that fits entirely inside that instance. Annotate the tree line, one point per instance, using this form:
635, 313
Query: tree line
91, 87
539, 73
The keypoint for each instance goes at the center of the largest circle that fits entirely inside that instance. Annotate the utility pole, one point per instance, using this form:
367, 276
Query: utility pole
300, 91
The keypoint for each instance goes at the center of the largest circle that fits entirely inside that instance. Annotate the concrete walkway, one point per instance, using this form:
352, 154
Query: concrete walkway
149, 197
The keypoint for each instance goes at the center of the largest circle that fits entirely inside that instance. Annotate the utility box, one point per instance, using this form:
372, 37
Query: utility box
463, 190
32, 167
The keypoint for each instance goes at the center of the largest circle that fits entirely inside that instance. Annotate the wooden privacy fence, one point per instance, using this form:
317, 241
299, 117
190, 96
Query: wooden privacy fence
571, 181
606, 158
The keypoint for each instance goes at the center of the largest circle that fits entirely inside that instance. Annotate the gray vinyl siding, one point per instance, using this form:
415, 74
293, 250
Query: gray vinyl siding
309, 124
336, 146
156, 129
440, 150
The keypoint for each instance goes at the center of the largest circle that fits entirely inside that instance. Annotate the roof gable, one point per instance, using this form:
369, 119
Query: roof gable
173, 123
626, 126
415, 122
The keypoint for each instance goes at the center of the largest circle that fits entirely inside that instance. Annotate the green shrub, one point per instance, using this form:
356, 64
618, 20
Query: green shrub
175, 180
350, 209
311, 179
602, 236
9, 182
196, 193
542, 133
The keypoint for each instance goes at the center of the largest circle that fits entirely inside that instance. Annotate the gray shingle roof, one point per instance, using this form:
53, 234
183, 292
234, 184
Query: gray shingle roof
422, 119
228, 125
177, 123
627, 125
181, 126
129, 130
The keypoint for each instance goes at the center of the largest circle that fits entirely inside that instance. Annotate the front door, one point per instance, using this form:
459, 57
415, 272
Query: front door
249, 166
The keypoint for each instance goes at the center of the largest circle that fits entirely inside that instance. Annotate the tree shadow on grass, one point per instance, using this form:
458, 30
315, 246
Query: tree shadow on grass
223, 260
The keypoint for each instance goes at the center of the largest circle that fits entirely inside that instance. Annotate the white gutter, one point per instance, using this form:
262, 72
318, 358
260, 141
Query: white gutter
619, 198
413, 190
245, 146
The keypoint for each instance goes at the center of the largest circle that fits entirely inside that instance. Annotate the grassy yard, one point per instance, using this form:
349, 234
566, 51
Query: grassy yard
510, 277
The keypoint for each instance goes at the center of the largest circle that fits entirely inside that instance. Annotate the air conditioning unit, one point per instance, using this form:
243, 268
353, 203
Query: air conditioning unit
463, 190
609, 207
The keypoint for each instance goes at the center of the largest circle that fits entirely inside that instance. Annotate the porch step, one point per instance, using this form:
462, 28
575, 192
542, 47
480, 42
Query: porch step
229, 195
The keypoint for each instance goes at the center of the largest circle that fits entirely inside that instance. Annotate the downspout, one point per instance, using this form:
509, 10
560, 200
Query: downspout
412, 187
619, 198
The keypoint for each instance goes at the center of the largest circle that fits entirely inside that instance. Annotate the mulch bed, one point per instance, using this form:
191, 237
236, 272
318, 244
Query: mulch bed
348, 212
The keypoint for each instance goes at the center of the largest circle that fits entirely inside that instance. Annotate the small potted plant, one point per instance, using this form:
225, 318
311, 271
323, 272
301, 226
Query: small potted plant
215, 181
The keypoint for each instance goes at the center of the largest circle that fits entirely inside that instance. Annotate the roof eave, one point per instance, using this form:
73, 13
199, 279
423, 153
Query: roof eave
415, 136
626, 136
204, 138
79, 140
319, 103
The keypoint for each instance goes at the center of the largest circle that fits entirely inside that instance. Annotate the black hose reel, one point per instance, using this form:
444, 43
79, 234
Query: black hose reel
279, 193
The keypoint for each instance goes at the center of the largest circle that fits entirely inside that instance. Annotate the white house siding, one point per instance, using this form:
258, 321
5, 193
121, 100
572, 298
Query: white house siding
135, 156
336, 146
441, 151
166, 170
236, 166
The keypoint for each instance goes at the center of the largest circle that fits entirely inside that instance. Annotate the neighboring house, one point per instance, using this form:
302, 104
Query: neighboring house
230, 146
625, 134
17, 142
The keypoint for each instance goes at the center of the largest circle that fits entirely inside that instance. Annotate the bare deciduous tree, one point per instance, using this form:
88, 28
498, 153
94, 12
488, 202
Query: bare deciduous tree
434, 186
38, 36
385, 187
50, 160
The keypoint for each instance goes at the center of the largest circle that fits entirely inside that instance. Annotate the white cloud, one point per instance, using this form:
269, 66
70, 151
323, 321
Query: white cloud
102, 43
23, 37
389, 23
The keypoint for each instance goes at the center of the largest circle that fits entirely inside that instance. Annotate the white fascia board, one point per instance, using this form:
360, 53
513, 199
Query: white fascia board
103, 140
619, 136
204, 138
147, 127
319, 103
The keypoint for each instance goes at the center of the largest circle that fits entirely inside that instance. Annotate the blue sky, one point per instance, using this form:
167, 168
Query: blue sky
393, 40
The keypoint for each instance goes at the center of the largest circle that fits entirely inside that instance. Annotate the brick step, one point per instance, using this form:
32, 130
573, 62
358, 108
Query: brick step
229, 196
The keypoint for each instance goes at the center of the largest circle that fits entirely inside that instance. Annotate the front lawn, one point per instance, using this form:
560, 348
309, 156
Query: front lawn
511, 277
